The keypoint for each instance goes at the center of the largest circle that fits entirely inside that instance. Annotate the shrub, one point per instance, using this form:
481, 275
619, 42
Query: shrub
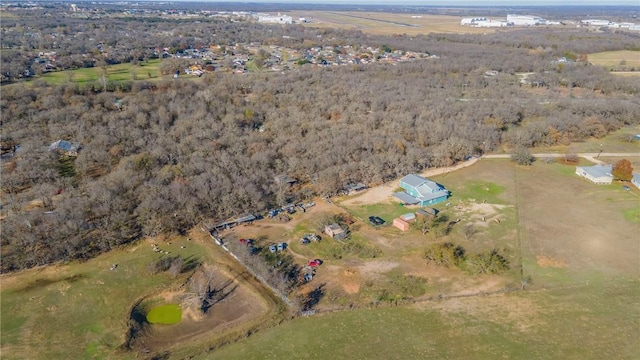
522, 156
446, 254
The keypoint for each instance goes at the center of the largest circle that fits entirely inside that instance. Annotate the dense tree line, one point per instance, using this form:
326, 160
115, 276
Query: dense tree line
162, 156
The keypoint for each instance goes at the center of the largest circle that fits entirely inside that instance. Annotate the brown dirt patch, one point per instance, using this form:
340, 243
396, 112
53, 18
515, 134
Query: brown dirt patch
481, 213
351, 287
548, 262
495, 308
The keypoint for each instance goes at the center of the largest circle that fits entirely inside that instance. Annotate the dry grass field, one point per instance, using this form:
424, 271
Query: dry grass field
614, 58
621, 63
387, 23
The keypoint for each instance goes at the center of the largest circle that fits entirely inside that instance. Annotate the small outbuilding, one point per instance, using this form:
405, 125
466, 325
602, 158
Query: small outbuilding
408, 217
335, 231
401, 224
428, 213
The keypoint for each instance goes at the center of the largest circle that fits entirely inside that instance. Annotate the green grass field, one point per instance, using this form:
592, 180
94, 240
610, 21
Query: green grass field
165, 314
385, 210
80, 310
115, 73
591, 322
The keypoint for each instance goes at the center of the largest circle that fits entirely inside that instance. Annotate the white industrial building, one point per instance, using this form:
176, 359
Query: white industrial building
525, 20
595, 22
491, 23
279, 19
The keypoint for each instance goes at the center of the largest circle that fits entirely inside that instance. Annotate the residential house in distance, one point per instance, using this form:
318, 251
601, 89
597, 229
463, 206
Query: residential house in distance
635, 179
597, 174
421, 191
284, 180
335, 231
63, 147
353, 188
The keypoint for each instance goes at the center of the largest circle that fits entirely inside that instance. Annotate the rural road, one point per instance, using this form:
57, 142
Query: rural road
380, 193
506, 156
589, 156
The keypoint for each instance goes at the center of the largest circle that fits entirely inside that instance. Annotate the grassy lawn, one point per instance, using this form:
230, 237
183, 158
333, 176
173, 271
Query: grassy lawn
385, 210
591, 322
120, 72
80, 310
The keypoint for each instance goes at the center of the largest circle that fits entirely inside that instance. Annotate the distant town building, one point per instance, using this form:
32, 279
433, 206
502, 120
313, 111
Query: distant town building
526, 20
278, 19
595, 22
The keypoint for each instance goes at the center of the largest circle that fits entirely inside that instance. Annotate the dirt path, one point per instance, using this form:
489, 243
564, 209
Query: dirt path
384, 192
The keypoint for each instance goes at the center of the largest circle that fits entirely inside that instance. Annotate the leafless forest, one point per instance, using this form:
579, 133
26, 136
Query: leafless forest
162, 156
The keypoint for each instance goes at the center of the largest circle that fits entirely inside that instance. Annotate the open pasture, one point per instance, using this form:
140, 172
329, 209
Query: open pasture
612, 59
81, 310
114, 73
588, 322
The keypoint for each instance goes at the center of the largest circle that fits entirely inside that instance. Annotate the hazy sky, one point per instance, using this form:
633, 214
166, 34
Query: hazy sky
455, 2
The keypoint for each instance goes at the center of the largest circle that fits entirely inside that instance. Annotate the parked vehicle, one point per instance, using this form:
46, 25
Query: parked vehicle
314, 263
375, 221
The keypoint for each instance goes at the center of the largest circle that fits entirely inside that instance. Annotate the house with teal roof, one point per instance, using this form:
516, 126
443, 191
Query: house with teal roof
421, 191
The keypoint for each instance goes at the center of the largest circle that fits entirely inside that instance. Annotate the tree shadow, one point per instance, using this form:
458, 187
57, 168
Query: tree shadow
216, 295
313, 298
138, 325
190, 263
